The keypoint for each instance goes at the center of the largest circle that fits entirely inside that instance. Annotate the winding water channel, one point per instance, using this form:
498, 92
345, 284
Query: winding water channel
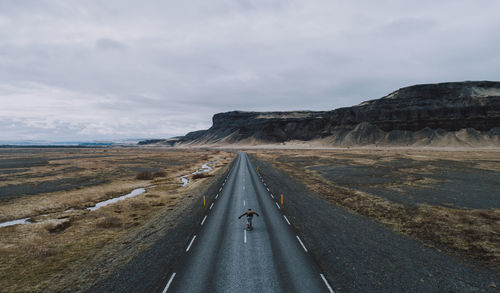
204, 168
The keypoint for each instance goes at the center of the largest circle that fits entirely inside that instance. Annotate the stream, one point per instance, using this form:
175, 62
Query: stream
133, 193
204, 168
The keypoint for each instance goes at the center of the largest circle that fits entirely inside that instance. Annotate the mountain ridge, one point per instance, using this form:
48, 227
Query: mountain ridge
442, 114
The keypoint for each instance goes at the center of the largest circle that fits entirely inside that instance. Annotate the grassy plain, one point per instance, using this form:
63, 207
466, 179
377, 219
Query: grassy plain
66, 244
447, 199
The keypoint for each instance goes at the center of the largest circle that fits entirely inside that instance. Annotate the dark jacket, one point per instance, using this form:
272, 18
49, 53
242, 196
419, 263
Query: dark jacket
249, 214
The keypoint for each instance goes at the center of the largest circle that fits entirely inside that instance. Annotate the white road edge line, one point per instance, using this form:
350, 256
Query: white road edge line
191, 243
285, 219
245, 236
303, 246
203, 220
169, 282
212, 205
278, 205
326, 283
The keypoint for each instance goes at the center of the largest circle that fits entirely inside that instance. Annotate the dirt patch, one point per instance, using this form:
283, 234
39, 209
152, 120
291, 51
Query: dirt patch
49, 186
21, 162
410, 182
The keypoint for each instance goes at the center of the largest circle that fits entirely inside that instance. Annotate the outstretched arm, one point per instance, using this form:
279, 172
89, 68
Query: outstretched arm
241, 215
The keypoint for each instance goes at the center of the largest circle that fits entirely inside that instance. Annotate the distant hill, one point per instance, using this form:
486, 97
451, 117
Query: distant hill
47, 143
443, 114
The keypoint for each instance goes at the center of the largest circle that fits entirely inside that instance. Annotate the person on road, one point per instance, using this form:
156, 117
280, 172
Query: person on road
249, 215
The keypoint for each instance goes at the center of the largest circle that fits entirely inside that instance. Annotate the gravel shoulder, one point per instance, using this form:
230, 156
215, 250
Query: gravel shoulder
360, 255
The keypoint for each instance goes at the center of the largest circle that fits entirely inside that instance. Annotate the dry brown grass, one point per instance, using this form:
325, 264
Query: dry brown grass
109, 222
56, 252
201, 175
159, 174
474, 232
145, 175
56, 225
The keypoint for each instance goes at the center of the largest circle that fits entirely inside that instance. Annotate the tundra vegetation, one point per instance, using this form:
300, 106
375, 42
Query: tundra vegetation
66, 245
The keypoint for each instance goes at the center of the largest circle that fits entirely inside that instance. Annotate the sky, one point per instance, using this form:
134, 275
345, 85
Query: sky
115, 69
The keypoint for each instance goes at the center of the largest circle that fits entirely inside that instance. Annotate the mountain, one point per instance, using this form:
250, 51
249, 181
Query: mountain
443, 114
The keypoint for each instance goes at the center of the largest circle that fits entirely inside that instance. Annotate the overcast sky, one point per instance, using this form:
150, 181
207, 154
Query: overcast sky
85, 70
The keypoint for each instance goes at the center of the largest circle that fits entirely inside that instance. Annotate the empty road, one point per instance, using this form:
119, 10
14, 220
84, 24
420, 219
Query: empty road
224, 257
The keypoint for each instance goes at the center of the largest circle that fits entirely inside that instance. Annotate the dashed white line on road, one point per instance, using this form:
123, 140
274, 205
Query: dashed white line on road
245, 236
326, 283
217, 196
169, 282
303, 246
267, 189
203, 220
191, 243
272, 195
212, 205
244, 203
243, 187
286, 219
220, 189
278, 205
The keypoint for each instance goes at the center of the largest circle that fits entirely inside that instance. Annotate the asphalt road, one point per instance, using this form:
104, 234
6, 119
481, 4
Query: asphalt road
224, 257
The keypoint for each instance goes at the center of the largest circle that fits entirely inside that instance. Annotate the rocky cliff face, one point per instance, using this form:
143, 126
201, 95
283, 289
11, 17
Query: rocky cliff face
448, 106
463, 113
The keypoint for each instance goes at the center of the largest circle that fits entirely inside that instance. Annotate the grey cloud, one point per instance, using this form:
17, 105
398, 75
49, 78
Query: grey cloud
109, 44
158, 68
408, 26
